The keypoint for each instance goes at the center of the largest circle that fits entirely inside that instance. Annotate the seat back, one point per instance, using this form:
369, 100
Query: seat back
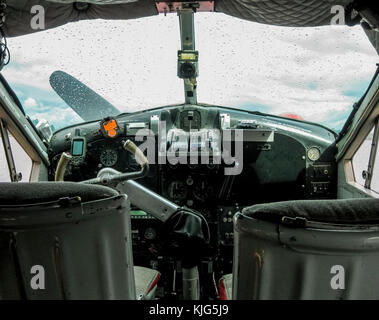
325, 249
75, 247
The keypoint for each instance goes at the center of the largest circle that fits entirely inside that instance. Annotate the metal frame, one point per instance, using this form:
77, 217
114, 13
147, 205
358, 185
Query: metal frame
14, 175
374, 149
147, 200
187, 38
19, 122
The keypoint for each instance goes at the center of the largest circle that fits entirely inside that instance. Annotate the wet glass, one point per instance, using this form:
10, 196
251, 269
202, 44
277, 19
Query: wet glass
315, 74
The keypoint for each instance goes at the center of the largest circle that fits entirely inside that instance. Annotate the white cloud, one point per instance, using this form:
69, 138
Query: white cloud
133, 63
59, 119
30, 102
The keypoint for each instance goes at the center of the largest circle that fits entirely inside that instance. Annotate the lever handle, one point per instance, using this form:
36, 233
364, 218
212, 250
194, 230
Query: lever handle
61, 167
138, 154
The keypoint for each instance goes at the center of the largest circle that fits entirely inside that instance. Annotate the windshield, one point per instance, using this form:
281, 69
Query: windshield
315, 74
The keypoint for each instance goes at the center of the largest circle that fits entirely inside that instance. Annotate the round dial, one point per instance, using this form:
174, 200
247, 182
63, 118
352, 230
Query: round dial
150, 234
202, 191
108, 157
177, 191
313, 154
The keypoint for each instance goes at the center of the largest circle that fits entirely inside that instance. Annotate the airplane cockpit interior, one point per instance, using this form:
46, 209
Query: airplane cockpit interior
259, 181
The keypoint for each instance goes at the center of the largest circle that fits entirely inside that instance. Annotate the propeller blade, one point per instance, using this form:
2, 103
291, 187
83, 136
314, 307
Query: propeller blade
84, 101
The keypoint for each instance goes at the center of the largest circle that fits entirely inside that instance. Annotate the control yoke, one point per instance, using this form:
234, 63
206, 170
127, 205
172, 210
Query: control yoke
186, 229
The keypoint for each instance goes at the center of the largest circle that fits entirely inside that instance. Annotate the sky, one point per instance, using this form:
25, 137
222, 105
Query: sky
317, 73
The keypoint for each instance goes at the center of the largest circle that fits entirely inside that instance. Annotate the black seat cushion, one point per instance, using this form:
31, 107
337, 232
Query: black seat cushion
37, 192
342, 211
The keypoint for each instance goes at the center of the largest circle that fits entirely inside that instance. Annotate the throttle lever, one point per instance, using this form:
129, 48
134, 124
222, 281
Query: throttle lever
62, 165
138, 154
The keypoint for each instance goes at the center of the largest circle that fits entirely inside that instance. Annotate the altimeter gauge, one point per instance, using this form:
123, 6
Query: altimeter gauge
313, 154
108, 157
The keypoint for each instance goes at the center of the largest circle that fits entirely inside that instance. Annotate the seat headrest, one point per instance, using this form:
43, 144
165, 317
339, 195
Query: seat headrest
341, 211
12, 193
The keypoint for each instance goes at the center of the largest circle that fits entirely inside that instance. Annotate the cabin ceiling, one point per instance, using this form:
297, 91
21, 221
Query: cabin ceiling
294, 13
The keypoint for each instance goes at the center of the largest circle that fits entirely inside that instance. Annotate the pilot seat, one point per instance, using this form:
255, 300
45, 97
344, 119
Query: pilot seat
65, 240
305, 249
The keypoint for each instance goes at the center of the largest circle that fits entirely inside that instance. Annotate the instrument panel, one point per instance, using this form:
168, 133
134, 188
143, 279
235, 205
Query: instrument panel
100, 154
282, 160
297, 163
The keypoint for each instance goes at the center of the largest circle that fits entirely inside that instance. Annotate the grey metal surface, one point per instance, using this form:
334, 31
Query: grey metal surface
277, 262
84, 248
147, 200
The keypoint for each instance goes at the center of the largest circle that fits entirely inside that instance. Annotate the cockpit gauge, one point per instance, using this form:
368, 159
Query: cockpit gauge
202, 190
177, 191
109, 128
313, 154
150, 234
108, 157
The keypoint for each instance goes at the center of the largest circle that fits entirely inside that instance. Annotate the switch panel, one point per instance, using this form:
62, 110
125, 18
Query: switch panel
225, 224
321, 179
